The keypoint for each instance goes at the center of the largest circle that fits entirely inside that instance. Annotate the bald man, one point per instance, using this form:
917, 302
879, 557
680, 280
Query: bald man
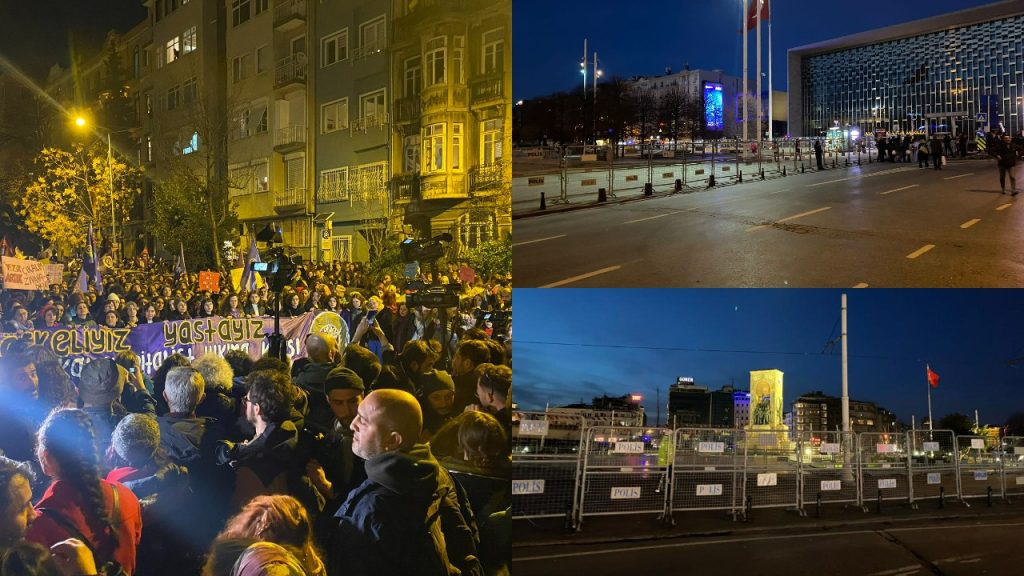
324, 356
406, 518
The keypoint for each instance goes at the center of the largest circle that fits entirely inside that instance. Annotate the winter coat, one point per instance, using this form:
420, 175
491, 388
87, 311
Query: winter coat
65, 499
275, 463
311, 377
408, 503
1004, 153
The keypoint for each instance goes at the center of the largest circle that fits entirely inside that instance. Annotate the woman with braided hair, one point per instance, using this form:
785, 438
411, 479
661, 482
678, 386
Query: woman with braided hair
78, 503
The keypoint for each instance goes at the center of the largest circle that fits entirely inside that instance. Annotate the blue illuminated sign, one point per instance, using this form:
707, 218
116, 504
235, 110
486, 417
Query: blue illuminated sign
713, 106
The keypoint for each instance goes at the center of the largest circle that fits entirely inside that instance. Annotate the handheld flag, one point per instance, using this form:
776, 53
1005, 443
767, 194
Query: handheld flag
752, 13
933, 378
179, 265
89, 264
248, 276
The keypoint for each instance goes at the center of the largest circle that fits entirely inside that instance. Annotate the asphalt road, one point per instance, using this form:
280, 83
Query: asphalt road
951, 548
879, 225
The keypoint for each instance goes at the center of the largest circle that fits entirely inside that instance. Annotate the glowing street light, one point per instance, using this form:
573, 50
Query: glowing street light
81, 122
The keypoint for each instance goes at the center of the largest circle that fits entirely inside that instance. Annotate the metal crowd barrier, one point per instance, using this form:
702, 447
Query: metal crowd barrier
933, 472
979, 461
546, 450
562, 468
771, 470
625, 471
707, 473
1013, 466
828, 468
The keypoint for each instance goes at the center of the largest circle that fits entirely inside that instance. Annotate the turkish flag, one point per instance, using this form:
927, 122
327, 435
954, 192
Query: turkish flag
933, 378
752, 13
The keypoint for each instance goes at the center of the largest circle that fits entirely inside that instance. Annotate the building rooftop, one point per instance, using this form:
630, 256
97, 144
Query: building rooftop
948, 21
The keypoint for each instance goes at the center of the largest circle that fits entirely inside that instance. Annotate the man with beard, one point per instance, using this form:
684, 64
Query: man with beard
468, 356
405, 518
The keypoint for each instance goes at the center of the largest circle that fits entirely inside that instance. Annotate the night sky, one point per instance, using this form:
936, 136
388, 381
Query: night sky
643, 339
34, 34
643, 38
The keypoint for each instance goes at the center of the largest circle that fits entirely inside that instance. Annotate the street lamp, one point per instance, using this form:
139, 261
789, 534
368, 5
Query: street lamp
81, 122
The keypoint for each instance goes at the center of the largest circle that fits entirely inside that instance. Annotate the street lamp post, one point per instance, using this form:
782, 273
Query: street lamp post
82, 122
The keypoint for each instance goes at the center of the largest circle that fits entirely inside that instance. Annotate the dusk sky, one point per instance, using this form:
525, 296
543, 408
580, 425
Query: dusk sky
572, 345
643, 38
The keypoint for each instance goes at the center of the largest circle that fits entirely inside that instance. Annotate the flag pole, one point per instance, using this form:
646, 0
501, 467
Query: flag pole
929, 384
760, 103
746, 72
771, 134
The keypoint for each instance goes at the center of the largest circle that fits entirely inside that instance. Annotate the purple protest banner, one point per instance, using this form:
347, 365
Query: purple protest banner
155, 342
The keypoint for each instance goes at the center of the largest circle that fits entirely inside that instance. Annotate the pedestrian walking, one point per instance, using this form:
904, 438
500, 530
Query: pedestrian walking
922, 154
962, 144
947, 145
818, 154
936, 147
1005, 154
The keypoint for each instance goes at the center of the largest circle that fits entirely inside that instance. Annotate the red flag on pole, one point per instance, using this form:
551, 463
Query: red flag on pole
752, 16
933, 378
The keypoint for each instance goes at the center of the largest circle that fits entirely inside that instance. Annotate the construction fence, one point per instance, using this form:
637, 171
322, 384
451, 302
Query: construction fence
564, 468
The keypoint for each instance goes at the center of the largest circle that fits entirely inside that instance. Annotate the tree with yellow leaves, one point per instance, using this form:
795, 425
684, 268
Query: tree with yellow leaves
72, 188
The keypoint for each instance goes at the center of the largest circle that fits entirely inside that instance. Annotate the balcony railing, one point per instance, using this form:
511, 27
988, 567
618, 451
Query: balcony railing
291, 70
287, 12
361, 52
407, 109
290, 197
368, 122
487, 87
290, 136
406, 187
487, 177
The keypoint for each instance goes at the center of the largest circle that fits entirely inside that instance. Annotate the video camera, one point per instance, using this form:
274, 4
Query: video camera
437, 295
282, 263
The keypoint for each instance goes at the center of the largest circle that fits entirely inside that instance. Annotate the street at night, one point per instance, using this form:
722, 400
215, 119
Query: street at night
949, 545
891, 225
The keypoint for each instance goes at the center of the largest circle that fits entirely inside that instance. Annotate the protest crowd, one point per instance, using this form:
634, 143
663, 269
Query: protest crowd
382, 448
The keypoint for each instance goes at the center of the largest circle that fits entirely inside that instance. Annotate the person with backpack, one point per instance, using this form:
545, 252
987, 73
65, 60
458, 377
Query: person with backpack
78, 503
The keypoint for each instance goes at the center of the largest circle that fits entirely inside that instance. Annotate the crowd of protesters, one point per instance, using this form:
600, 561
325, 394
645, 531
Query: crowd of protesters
388, 455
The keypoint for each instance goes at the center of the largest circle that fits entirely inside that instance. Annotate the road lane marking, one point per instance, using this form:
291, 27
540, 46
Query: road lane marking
920, 251
832, 181
652, 217
582, 277
898, 189
958, 176
861, 285
538, 240
1005, 206
788, 218
970, 223
971, 561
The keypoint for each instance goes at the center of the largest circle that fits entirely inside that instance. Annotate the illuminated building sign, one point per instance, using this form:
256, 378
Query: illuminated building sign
713, 106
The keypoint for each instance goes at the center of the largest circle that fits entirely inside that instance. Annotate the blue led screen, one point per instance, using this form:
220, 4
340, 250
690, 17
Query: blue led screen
713, 106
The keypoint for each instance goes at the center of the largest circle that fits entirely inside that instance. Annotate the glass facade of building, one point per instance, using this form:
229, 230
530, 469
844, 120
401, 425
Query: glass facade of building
947, 79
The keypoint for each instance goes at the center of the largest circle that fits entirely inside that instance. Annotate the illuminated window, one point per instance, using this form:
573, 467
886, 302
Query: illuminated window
188, 41
457, 146
490, 141
192, 145
433, 147
260, 176
172, 50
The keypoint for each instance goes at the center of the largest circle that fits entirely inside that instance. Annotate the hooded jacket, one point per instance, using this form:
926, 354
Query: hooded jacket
310, 378
408, 502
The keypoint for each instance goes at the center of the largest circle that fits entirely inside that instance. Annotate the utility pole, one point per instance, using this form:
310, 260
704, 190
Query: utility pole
846, 392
